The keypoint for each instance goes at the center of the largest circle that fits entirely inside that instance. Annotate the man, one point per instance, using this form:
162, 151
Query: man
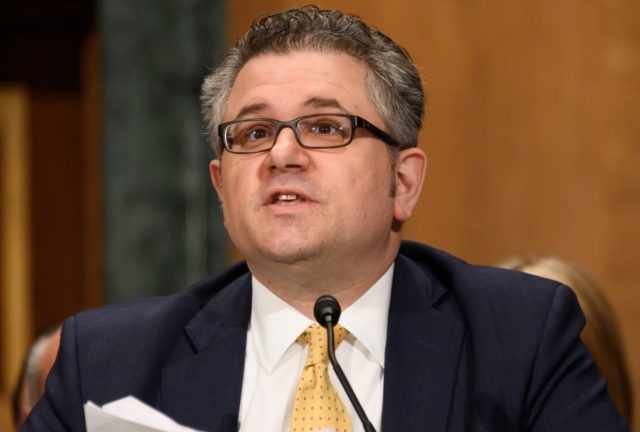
314, 117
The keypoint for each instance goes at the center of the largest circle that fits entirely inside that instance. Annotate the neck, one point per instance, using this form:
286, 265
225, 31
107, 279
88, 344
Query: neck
296, 285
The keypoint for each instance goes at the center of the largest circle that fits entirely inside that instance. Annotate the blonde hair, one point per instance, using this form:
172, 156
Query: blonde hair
601, 333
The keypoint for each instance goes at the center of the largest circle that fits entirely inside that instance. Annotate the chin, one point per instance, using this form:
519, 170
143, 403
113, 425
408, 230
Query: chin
289, 253
288, 257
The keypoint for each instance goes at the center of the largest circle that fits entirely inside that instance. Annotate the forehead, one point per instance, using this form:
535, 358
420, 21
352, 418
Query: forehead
288, 85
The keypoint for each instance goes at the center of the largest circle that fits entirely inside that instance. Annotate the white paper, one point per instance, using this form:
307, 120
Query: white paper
128, 415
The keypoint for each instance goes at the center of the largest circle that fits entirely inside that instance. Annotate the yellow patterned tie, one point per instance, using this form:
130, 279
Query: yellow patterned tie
317, 406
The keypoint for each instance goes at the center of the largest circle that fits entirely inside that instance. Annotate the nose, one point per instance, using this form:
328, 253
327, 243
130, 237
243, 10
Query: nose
287, 154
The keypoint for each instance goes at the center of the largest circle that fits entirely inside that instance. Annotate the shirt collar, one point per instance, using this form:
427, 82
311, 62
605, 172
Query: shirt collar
275, 325
367, 317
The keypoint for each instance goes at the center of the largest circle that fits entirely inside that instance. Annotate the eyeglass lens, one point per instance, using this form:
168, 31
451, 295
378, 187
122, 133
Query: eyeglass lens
319, 131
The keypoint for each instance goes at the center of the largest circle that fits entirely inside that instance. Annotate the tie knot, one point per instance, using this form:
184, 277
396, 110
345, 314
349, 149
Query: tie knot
316, 337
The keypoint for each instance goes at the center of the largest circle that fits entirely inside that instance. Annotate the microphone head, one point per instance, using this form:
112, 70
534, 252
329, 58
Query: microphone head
327, 310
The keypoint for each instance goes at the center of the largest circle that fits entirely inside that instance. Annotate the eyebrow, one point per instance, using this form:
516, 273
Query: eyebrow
314, 102
320, 102
251, 109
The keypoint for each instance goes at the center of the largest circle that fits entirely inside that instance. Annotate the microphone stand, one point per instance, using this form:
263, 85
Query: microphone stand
326, 320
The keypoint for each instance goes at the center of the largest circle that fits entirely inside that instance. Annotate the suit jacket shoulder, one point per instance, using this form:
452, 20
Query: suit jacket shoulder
143, 348
501, 347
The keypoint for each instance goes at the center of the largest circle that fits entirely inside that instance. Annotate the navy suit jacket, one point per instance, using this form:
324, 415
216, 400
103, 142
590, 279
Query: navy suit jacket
469, 348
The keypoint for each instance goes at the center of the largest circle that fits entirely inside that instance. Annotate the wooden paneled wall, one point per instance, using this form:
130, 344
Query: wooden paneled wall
51, 202
532, 131
15, 272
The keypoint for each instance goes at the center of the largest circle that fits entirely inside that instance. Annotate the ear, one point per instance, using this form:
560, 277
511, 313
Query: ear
411, 169
215, 171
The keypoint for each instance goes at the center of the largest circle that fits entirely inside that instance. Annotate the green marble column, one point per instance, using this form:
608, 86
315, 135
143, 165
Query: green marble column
163, 229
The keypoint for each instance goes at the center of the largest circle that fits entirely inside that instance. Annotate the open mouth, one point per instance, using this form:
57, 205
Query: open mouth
286, 198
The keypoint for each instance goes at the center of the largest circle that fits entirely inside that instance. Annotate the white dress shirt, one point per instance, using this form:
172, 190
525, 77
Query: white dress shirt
274, 361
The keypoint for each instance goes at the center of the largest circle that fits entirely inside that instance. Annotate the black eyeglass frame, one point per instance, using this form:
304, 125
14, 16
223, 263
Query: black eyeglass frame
356, 122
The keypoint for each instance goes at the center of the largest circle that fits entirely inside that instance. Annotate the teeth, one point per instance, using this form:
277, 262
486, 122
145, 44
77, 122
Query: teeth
287, 197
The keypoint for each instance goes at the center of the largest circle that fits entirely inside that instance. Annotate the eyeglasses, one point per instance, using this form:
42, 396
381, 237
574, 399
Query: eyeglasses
315, 131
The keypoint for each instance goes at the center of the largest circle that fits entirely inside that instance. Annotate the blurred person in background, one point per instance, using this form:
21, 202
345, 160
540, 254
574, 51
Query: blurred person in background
35, 369
601, 333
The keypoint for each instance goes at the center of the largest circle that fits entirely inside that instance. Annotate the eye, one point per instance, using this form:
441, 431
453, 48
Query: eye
325, 127
256, 133
252, 133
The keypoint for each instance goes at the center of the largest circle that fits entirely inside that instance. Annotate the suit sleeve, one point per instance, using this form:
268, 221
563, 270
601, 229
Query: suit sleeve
60, 408
566, 392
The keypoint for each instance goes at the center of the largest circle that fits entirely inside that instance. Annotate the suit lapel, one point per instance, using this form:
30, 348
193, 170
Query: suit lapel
424, 342
203, 389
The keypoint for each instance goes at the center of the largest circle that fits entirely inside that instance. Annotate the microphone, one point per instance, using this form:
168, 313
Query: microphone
327, 312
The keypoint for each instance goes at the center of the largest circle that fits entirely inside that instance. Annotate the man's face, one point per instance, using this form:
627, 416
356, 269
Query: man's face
294, 205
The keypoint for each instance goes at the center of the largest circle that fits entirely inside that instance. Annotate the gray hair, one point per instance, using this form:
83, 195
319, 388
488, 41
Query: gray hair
393, 82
